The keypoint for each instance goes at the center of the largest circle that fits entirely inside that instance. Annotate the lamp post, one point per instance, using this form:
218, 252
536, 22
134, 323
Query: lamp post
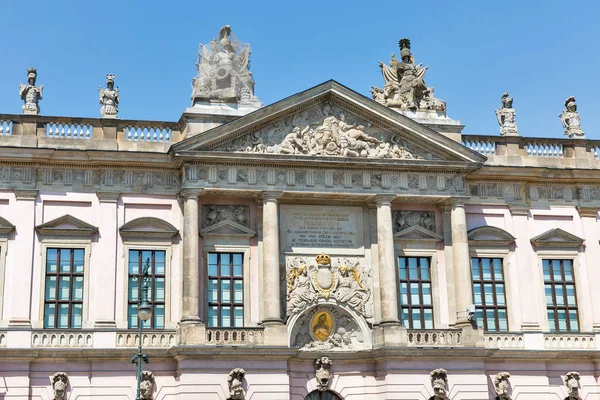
144, 312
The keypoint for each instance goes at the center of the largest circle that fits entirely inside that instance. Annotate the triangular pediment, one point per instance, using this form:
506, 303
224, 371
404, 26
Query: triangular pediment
490, 235
67, 225
330, 121
417, 233
5, 226
227, 228
557, 238
148, 227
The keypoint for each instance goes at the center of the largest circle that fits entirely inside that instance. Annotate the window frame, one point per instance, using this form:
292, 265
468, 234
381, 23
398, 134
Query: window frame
482, 282
152, 288
232, 279
248, 306
156, 245
85, 245
555, 307
420, 282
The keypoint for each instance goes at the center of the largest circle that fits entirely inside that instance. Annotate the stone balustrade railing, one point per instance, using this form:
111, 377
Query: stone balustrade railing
62, 339
541, 152
435, 337
149, 339
504, 340
87, 133
574, 341
235, 336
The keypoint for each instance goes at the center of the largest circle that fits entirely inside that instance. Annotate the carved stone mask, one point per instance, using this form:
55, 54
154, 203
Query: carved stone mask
146, 390
60, 389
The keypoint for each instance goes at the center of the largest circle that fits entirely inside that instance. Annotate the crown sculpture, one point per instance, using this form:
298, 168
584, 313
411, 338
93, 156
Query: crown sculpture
224, 72
323, 259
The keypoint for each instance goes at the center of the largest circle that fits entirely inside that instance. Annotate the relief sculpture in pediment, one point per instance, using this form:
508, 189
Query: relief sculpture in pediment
325, 130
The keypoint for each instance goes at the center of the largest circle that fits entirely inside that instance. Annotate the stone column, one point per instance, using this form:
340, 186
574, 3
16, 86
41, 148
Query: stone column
271, 284
191, 275
446, 210
461, 261
103, 290
387, 262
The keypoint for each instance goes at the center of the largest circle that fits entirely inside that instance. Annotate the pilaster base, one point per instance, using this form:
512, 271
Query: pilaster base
275, 334
472, 337
390, 335
191, 333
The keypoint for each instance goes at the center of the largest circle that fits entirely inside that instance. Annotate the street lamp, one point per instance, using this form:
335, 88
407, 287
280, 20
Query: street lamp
144, 311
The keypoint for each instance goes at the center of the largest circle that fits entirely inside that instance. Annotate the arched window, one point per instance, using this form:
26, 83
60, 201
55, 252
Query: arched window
317, 395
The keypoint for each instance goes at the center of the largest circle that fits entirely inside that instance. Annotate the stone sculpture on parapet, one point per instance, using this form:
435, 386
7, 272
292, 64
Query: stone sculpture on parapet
223, 72
571, 120
109, 98
30, 93
405, 88
506, 117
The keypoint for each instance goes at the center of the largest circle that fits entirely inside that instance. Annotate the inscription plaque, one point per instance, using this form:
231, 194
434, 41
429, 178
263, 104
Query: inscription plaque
312, 228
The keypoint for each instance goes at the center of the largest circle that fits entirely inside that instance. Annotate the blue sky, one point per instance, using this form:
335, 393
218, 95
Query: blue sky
540, 51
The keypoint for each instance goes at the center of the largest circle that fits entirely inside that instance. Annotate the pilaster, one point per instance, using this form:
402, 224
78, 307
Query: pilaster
589, 223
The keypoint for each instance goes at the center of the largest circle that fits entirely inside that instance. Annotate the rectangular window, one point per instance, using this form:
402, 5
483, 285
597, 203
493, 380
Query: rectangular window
63, 298
225, 290
156, 287
561, 299
415, 292
489, 293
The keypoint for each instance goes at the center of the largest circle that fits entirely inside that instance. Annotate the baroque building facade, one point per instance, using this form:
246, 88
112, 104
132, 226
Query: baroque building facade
326, 246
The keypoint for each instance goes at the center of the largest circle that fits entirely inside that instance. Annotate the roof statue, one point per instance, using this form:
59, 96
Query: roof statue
506, 117
571, 120
405, 87
223, 72
31, 94
109, 98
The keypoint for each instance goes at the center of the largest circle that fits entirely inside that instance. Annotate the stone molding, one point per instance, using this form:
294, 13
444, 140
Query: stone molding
417, 233
489, 236
148, 227
5, 227
557, 238
67, 225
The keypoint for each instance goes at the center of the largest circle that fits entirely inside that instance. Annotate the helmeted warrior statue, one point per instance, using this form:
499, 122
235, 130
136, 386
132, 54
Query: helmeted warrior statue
439, 382
405, 87
234, 382
60, 382
109, 98
31, 94
501, 385
571, 120
572, 384
223, 71
506, 116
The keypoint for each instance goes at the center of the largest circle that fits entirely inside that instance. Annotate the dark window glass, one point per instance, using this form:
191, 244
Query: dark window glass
489, 294
156, 288
561, 298
225, 290
415, 292
63, 293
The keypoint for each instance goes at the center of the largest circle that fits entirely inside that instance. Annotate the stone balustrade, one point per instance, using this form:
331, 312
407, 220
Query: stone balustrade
574, 341
234, 336
87, 133
536, 152
504, 341
149, 339
435, 337
62, 339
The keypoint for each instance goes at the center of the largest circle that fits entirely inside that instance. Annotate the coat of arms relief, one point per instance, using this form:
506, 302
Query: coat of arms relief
327, 285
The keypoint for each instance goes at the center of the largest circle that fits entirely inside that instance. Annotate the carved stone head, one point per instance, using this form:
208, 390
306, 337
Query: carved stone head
147, 385
234, 382
323, 372
60, 382
439, 381
502, 386
572, 384
31, 75
570, 104
506, 100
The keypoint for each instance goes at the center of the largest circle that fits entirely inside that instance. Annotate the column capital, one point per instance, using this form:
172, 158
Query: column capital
519, 209
590, 212
191, 193
458, 201
384, 199
108, 197
26, 194
271, 196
